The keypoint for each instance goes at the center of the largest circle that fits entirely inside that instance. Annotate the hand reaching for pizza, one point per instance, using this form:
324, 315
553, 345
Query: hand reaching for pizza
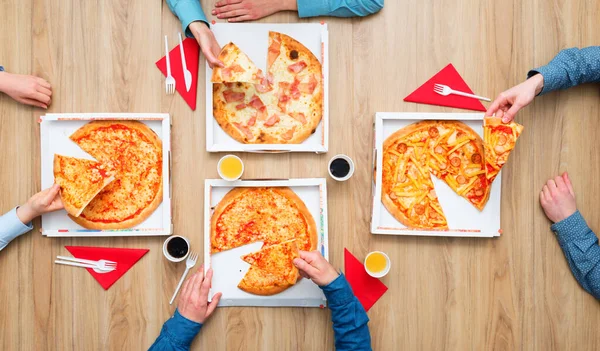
509, 102
314, 266
45, 201
29, 90
208, 44
193, 302
558, 198
248, 10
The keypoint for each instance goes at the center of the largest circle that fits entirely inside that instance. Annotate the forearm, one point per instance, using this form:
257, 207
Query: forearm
350, 321
187, 11
177, 334
338, 8
580, 246
11, 227
569, 68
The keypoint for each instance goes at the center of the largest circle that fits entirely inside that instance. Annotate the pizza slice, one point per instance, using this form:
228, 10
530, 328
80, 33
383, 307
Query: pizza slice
260, 282
277, 260
499, 139
238, 67
80, 181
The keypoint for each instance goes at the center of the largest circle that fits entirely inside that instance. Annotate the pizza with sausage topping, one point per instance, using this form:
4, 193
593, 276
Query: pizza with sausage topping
285, 106
451, 151
499, 140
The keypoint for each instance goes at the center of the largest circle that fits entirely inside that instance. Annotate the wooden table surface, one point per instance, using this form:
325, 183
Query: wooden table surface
512, 292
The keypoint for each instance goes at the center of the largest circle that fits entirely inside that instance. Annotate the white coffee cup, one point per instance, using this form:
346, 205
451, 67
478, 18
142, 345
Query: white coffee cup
168, 255
350, 171
386, 270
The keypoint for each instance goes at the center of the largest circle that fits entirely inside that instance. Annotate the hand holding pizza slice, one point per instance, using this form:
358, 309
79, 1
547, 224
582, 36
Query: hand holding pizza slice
499, 139
238, 67
277, 260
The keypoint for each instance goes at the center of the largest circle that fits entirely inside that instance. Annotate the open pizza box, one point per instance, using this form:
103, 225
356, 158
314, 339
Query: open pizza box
55, 129
229, 268
464, 220
253, 39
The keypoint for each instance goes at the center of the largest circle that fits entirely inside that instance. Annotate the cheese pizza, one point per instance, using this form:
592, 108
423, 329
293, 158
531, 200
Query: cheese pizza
277, 260
499, 140
449, 150
135, 152
285, 106
80, 181
272, 215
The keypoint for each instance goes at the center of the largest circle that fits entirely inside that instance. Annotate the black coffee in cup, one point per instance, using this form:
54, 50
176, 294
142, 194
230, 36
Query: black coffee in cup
177, 247
339, 168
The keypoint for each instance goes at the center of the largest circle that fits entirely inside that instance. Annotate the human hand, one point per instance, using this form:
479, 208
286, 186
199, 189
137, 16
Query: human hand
558, 198
26, 89
314, 266
208, 44
509, 102
47, 200
193, 302
247, 10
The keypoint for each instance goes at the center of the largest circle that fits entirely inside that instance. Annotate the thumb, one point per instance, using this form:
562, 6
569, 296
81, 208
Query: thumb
511, 113
305, 267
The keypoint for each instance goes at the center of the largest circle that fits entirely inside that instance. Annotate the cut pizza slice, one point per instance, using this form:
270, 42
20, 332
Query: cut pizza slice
80, 181
260, 282
238, 67
499, 139
277, 260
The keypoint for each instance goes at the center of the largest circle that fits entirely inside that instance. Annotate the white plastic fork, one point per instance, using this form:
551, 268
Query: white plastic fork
446, 90
101, 264
85, 265
170, 81
189, 263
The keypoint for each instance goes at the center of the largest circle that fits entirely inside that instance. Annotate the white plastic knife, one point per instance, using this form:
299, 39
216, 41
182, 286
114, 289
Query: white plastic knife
187, 76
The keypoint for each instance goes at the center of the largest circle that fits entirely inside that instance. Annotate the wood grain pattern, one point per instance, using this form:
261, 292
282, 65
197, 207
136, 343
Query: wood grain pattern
511, 293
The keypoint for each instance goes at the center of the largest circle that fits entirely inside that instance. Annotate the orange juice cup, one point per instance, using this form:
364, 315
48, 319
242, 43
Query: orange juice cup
377, 264
230, 167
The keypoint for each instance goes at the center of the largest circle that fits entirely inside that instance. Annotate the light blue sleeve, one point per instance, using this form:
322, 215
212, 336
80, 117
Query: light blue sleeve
187, 11
580, 246
569, 68
350, 328
177, 334
338, 8
11, 227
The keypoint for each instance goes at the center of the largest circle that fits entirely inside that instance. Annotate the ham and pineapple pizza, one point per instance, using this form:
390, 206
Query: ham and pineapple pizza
285, 106
449, 150
80, 181
238, 67
499, 140
135, 152
271, 215
277, 260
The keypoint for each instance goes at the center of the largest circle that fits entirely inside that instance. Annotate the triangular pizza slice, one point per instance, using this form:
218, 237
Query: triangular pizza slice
277, 259
80, 181
238, 67
499, 139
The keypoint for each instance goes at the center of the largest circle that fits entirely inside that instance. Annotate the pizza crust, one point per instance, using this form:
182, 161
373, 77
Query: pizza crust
259, 282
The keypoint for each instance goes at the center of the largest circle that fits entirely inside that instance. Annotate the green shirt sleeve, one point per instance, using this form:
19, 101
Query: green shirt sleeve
187, 11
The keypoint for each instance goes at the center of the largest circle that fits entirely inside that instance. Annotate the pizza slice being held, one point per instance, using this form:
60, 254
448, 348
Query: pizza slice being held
277, 260
499, 140
80, 181
238, 67
260, 282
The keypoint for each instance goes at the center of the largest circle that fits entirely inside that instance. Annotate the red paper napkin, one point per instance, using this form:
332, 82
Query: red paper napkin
192, 53
366, 288
125, 258
450, 77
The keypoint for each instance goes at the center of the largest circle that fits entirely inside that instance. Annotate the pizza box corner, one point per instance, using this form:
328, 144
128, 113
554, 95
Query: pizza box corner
230, 268
55, 129
464, 220
252, 38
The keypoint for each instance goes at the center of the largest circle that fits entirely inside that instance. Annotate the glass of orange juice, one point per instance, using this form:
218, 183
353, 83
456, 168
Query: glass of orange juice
230, 167
377, 264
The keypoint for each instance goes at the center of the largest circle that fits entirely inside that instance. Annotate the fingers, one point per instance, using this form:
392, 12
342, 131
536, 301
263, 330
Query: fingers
44, 83
211, 58
233, 13
205, 288
185, 290
44, 90
495, 105
213, 304
222, 3
33, 103
543, 199
547, 194
551, 184
45, 99
241, 18
199, 279
302, 265
511, 113
309, 256
50, 195
568, 183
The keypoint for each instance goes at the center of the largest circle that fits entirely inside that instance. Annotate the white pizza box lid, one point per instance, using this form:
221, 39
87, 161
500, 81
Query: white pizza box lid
55, 129
464, 220
253, 39
229, 268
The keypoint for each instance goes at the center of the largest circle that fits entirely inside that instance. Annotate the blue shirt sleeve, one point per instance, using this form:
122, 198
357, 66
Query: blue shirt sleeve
338, 8
187, 11
569, 68
177, 334
11, 227
348, 316
580, 246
